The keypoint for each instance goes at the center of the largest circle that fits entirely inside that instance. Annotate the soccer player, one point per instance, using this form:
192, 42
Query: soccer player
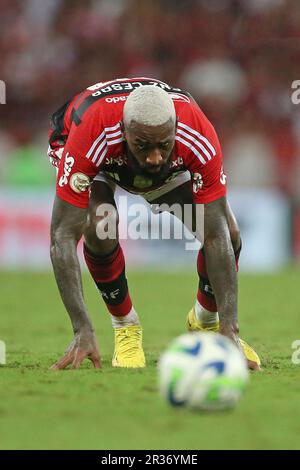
150, 139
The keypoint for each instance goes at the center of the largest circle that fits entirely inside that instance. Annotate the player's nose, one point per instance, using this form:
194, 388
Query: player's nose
154, 157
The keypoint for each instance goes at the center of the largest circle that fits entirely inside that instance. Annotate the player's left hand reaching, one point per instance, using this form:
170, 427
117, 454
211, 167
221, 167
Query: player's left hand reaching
83, 346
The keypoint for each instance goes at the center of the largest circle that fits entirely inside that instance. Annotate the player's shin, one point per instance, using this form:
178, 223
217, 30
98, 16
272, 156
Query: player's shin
206, 306
108, 272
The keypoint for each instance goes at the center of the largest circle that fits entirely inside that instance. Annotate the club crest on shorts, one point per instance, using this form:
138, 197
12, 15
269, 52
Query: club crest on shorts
80, 182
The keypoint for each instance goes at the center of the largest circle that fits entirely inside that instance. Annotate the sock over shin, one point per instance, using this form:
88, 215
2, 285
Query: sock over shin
108, 272
206, 302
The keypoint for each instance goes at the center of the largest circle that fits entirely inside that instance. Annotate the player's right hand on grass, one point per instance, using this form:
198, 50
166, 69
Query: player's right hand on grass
83, 346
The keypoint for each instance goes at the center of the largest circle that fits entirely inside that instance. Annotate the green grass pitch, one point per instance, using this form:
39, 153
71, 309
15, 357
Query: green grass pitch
121, 409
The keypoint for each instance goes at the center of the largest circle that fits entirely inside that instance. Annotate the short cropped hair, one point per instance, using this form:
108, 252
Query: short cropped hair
149, 105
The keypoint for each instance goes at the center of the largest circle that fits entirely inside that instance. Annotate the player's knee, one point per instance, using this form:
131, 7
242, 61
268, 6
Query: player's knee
101, 232
99, 247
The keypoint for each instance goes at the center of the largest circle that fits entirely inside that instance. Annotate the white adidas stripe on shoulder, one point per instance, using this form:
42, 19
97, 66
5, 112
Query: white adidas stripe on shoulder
112, 128
100, 147
115, 141
109, 136
195, 141
102, 156
200, 137
94, 145
193, 149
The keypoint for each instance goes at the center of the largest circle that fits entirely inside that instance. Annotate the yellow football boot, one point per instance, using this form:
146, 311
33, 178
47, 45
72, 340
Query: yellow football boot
250, 354
194, 325
128, 347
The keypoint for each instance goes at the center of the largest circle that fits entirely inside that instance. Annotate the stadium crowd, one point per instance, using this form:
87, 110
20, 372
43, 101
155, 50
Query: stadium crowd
237, 57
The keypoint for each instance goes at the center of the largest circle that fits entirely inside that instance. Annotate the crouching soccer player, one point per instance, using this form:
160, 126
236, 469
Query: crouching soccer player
153, 140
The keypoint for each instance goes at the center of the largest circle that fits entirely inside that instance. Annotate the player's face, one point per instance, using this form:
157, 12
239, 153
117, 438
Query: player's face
151, 146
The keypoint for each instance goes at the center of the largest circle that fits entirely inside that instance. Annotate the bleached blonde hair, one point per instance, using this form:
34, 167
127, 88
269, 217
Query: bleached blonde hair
149, 105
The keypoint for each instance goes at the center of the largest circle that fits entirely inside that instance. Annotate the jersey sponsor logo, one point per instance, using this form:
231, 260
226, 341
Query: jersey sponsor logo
116, 99
197, 182
177, 163
68, 165
120, 87
124, 85
80, 182
120, 160
223, 177
103, 84
117, 88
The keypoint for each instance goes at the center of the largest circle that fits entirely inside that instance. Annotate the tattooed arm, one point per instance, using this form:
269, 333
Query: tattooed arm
221, 268
67, 227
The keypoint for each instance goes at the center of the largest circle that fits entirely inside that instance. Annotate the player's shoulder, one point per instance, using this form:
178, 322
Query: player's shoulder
196, 139
92, 108
101, 105
190, 114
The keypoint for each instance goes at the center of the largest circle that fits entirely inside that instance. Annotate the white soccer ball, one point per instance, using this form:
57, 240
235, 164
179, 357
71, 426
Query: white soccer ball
204, 371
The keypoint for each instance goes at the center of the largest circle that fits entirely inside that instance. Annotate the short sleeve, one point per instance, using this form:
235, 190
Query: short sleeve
204, 161
76, 170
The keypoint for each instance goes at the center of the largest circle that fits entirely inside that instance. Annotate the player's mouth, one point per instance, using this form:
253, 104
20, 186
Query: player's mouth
146, 169
154, 169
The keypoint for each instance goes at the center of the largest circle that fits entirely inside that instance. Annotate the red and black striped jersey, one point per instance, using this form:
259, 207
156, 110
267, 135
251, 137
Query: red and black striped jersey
88, 129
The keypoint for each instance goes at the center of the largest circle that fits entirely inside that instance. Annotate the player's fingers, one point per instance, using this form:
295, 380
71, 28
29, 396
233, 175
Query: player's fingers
79, 357
253, 365
62, 363
95, 358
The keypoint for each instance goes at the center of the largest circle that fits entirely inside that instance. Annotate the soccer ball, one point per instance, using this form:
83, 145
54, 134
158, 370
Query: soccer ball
204, 371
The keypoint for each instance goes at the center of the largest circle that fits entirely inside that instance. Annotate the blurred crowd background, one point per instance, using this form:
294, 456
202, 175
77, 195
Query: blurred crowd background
237, 57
